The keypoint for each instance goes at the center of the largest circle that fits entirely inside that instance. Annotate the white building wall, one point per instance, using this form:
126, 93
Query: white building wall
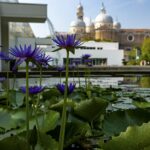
109, 51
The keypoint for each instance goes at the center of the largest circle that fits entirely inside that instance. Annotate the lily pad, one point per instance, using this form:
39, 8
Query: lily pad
116, 122
141, 104
90, 109
134, 138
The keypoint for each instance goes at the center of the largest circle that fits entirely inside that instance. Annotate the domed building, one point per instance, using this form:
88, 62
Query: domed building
105, 28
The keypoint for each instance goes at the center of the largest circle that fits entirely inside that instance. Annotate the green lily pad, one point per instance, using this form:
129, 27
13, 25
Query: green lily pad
16, 98
141, 104
90, 109
58, 106
13, 143
76, 130
134, 138
11, 118
46, 142
116, 122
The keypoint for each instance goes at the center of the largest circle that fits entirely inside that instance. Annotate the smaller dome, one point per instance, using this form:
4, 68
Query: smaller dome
117, 25
78, 23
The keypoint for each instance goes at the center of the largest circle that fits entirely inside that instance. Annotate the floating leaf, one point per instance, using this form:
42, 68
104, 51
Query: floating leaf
76, 130
116, 122
141, 104
47, 121
50, 120
46, 142
134, 138
11, 118
13, 143
18, 142
90, 109
58, 106
16, 98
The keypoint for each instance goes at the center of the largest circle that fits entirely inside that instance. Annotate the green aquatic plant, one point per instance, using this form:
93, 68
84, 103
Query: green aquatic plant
26, 54
69, 43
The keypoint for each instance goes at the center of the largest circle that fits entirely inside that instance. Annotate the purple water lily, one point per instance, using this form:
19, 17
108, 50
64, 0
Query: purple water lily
68, 42
72, 66
32, 89
76, 61
61, 88
25, 53
86, 56
87, 61
44, 59
5, 56
60, 68
2, 79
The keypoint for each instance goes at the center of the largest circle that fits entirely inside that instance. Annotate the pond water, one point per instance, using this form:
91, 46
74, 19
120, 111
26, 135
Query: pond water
129, 86
104, 82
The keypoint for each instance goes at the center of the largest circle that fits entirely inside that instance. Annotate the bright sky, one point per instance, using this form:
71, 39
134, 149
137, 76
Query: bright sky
131, 13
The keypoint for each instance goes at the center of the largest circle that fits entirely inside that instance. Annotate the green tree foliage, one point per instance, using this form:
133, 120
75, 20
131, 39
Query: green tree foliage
146, 49
132, 57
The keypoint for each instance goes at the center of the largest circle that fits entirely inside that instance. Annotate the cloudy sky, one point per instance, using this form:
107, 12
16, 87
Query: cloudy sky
131, 13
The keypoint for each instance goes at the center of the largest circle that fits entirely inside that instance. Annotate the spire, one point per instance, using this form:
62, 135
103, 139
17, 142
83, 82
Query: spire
80, 5
80, 13
103, 5
80, 2
103, 10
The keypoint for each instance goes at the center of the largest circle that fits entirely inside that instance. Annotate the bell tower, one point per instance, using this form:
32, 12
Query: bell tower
80, 13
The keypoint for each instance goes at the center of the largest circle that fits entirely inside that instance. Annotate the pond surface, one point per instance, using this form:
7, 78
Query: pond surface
104, 82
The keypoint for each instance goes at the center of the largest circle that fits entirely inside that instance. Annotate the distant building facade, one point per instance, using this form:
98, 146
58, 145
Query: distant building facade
104, 28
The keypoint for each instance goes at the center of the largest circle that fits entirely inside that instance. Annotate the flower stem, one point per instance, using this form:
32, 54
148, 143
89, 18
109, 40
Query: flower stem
73, 76
86, 79
78, 76
27, 103
7, 86
14, 81
40, 75
64, 117
60, 77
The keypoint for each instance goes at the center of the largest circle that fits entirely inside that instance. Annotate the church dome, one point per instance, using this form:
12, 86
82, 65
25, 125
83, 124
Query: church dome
78, 23
103, 19
117, 25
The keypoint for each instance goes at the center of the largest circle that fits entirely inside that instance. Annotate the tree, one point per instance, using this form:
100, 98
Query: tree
146, 50
132, 56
